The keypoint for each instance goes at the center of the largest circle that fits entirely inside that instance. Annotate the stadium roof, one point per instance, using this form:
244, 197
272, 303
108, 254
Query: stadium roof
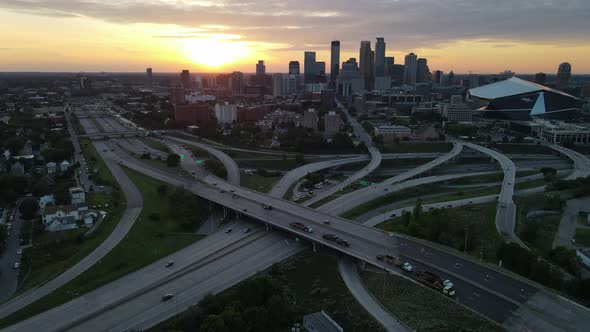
511, 87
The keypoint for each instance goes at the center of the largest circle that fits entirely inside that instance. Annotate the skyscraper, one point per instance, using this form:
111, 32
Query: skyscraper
366, 64
380, 69
148, 73
422, 71
451, 78
410, 68
350, 80
564, 73
237, 84
295, 72
260, 68
540, 78
185, 79
437, 77
309, 67
334, 61
279, 88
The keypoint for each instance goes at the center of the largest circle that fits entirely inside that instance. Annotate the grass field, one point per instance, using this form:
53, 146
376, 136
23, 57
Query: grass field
257, 182
546, 228
156, 144
95, 163
583, 236
423, 309
530, 184
146, 242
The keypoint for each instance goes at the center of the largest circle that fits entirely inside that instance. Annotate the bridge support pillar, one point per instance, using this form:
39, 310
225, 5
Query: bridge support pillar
315, 246
267, 227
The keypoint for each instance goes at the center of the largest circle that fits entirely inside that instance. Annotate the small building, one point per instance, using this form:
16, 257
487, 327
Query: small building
51, 167
45, 200
66, 217
320, 322
391, 132
64, 166
77, 195
17, 169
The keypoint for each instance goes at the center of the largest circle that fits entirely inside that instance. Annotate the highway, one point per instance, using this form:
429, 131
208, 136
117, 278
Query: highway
233, 171
581, 162
210, 265
506, 213
371, 166
396, 183
503, 295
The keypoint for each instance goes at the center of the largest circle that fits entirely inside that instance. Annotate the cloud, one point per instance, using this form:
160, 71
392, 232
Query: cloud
405, 24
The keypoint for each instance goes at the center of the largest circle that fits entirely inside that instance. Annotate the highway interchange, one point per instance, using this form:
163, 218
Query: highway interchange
481, 288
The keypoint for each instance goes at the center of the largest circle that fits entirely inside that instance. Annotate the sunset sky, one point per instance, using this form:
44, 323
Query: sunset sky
482, 36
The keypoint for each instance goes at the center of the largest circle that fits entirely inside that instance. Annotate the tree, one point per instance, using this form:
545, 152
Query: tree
61, 195
173, 160
28, 208
213, 323
299, 160
162, 189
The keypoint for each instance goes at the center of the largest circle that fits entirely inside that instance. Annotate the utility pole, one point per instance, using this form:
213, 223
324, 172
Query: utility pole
466, 230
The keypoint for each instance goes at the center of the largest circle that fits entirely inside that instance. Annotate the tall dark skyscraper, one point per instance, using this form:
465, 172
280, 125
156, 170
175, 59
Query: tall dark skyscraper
185, 79
540, 78
334, 60
366, 64
451, 78
309, 67
410, 68
260, 68
438, 77
564, 73
422, 71
380, 69
149, 80
237, 83
389, 62
295, 71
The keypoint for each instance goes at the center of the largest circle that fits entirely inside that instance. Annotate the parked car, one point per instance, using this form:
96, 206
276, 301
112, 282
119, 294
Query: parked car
19, 251
228, 230
407, 267
167, 297
169, 264
16, 265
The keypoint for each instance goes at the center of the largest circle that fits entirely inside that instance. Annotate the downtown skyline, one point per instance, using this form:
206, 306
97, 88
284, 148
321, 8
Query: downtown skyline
223, 36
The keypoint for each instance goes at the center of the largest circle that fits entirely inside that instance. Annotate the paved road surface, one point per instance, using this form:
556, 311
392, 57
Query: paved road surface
233, 171
8, 274
365, 298
569, 221
373, 164
581, 162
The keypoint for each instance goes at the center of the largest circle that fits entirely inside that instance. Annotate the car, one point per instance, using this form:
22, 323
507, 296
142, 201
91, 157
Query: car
228, 230
169, 264
380, 257
234, 196
266, 207
450, 205
167, 297
222, 191
393, 215
193, 173
407, 267
245, 210
19, 251
247, 230
386, 189
326, 222
330, 237
232, 191
431, 208
343, 242
214, 183
16, 265
470, 202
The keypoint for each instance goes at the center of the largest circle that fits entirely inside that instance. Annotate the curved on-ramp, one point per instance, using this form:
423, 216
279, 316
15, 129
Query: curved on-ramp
581, 162
233, 171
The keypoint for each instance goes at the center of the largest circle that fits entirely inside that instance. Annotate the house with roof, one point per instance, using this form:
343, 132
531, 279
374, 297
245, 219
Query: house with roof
51, 167
17, 169
66, 217
64, 166
77, 195
45, 200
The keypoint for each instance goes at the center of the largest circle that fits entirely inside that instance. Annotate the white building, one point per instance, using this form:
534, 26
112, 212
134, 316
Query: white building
226, 113
77, 195
51, 167
64, 166
44, 200
65, 217
558, 132
391, 132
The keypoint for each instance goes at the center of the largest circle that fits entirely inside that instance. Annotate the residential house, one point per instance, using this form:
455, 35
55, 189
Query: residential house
44, 200
66, 217
17, 169
51, 167
77, 195
64, 166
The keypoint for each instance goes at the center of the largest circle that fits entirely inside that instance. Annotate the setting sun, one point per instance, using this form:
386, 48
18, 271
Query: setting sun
215, 52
